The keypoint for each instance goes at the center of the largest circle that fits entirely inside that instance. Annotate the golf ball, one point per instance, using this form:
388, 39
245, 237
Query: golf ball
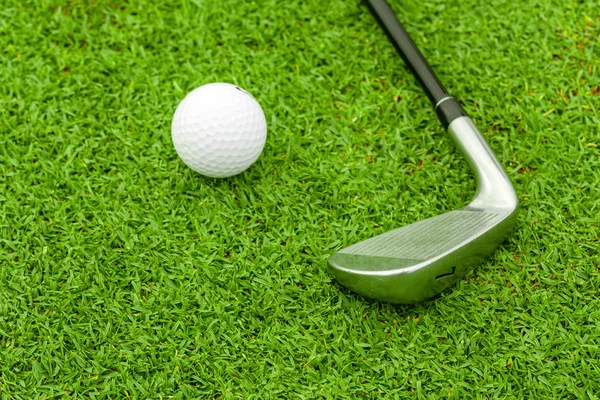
219, 130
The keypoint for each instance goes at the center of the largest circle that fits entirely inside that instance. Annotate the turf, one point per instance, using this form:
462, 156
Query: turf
126, 275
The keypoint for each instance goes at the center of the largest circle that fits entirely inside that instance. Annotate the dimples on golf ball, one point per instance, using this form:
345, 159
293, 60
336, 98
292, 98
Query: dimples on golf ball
219, 130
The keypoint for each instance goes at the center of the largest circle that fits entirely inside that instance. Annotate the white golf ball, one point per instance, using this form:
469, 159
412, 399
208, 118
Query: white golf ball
219, 130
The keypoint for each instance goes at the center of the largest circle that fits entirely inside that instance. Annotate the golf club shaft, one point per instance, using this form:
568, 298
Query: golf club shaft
446, 107
491, 178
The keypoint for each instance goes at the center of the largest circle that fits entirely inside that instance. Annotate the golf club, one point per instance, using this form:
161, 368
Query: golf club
418, 261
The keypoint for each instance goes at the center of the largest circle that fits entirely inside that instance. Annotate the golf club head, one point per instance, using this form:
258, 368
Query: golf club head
420, 260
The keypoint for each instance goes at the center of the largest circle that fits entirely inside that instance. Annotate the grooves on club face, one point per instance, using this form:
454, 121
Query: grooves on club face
420, 260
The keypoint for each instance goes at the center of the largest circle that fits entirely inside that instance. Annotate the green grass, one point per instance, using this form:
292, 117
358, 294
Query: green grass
124, 274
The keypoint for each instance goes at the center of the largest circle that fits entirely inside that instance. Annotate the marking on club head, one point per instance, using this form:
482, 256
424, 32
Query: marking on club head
445, 275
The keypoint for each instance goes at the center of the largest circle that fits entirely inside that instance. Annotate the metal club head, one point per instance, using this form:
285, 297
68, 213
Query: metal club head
420, 260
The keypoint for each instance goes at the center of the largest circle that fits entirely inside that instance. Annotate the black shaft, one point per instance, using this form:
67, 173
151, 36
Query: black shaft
447, 110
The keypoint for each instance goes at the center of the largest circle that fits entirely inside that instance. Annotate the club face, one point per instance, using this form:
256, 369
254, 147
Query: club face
418, 261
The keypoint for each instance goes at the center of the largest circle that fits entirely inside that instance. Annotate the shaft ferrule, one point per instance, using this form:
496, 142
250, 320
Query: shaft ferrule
448, 110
